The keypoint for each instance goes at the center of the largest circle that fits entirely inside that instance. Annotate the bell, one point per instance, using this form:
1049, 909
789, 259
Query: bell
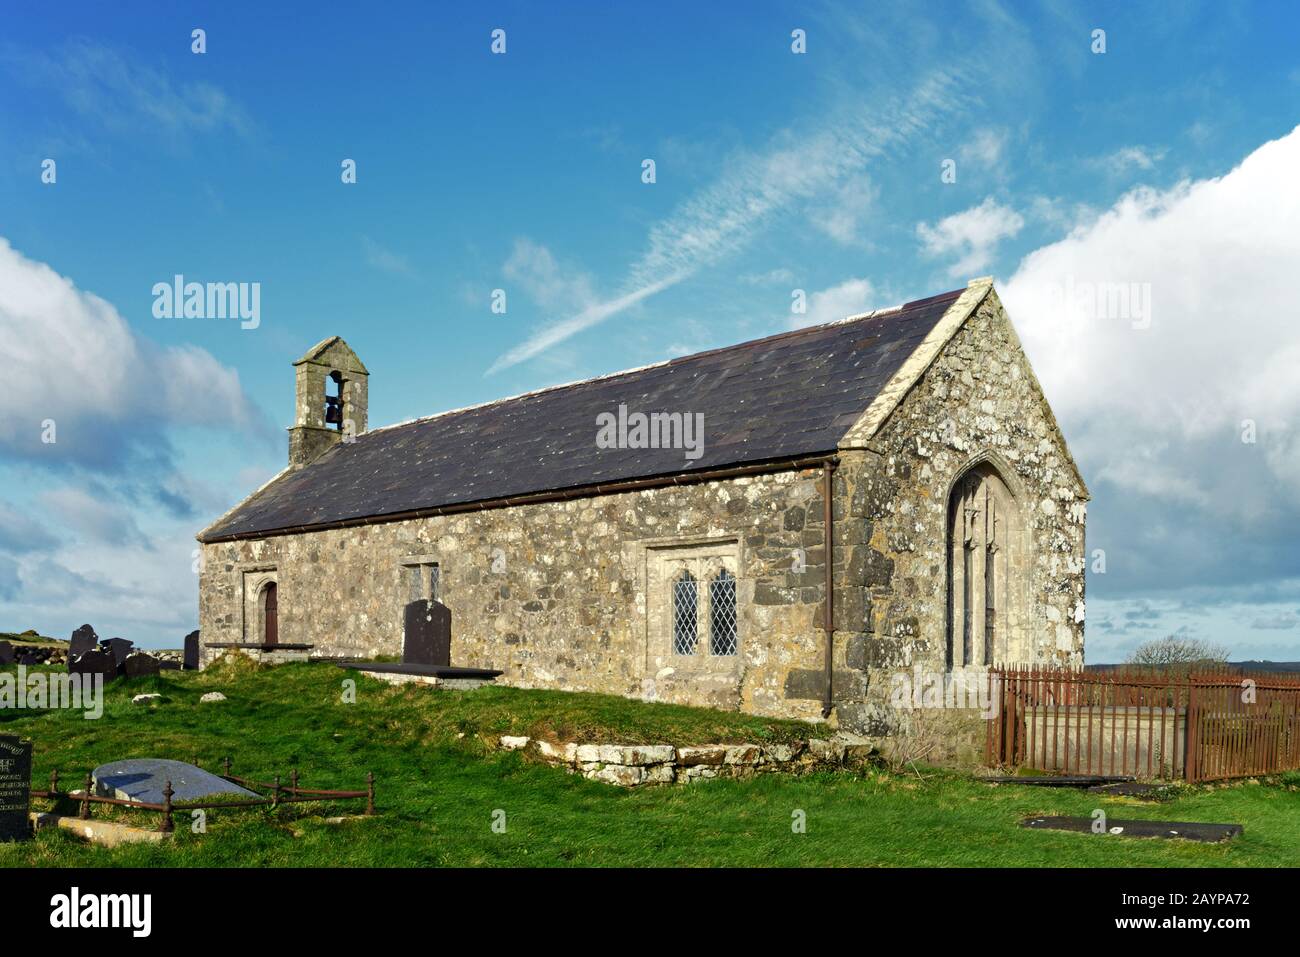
333, 410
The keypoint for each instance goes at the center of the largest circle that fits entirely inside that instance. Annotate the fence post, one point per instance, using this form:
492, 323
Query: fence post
1191, 735
85, 799
275, 793
54, 783
370, 792
167, 825
293, 781
225, 763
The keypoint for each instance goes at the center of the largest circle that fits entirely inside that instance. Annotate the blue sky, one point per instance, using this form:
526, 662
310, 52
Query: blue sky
1168, 160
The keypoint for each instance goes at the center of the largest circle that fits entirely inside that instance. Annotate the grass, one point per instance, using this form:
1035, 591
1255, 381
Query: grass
440, 785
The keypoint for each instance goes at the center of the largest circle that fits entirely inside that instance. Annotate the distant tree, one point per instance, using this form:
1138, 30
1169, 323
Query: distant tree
1178, 652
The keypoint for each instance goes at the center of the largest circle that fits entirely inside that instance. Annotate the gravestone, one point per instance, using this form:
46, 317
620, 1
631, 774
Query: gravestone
83, 640
6, 653
428, 634
15, 788
192, 651
140, 665
121, 650
143, 779
95, 662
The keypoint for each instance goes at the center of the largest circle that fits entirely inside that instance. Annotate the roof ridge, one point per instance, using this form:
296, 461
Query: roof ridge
789, 333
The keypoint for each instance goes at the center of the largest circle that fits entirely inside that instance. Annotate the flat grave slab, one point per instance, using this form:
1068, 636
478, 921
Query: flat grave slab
143, 779
1187, 830
1063, 780
428, 671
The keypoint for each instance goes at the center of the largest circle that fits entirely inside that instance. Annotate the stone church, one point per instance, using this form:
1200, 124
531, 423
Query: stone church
778, 526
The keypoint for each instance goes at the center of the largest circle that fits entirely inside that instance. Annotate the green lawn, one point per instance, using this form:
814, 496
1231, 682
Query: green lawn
439, 785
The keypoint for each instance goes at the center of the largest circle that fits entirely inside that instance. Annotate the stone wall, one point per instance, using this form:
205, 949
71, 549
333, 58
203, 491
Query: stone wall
978, 402
633, 765
561, 595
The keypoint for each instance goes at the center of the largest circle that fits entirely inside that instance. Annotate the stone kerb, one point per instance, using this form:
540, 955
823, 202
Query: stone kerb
632, 765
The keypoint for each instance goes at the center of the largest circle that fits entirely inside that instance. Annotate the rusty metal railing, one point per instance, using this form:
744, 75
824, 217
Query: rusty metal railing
1149, 723
280, 794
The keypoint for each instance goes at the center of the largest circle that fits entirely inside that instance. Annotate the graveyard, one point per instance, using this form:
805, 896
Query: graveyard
447, 794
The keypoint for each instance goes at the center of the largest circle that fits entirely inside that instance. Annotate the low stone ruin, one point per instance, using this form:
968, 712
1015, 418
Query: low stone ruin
632, 765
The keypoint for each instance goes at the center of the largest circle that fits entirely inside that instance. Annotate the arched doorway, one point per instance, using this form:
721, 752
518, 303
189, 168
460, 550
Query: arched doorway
986, 562
270, 608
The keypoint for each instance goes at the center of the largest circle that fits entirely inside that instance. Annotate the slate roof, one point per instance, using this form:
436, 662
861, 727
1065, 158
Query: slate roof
786, 396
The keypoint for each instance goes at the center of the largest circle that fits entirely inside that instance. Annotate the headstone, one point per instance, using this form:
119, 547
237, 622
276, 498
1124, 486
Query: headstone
166, 665
143, 779
83, 640
140, 665
26, 656
121, 649
95, 662
6, 653
428, 633
15, 788
192, 651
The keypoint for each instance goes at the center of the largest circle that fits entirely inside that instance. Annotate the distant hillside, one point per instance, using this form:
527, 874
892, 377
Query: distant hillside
30, 637
1267, 667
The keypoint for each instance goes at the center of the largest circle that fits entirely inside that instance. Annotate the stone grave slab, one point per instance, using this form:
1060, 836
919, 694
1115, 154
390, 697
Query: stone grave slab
121, 650
83, 640
140, 665
428, 634
95, 662
192, 651
6, 653
1187, 830
143, 779
15, 788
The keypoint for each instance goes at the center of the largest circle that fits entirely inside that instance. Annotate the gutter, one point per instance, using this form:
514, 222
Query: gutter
534, 498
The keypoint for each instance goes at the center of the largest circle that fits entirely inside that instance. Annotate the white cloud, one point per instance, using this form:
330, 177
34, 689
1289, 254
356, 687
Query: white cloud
1130, 158
71, 358
984, 149
973, 234
797, 168
95, 517
385, 259
1154, 406
849, 298
555, 288
843, 218
124, 94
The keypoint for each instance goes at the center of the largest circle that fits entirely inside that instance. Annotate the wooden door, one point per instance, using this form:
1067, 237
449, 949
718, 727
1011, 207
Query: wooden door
271, 612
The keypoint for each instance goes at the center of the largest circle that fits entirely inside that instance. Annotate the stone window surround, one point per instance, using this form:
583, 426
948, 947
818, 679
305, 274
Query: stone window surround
422, 562
253, 578
657, 591
1015, 646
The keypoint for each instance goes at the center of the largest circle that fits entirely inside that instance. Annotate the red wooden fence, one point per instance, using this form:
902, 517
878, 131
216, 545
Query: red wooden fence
1149, 723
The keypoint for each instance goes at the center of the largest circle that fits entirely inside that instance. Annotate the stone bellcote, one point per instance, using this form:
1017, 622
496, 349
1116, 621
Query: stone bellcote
331, 401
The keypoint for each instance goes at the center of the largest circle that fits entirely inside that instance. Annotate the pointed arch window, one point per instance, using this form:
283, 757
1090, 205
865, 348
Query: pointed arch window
722, 613
985, 591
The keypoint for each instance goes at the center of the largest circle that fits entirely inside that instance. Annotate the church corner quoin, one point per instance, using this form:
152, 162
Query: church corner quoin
958, 528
